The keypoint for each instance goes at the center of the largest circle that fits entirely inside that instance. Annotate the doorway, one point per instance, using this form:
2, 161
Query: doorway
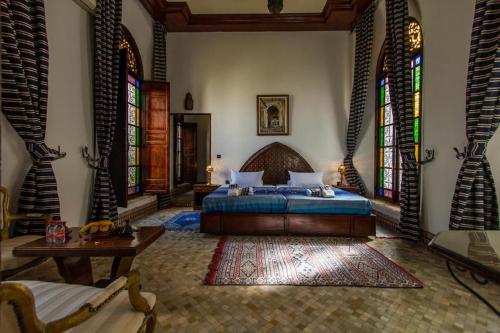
191, 137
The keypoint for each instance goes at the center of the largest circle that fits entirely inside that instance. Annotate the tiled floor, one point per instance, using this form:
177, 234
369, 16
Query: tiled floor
175, 265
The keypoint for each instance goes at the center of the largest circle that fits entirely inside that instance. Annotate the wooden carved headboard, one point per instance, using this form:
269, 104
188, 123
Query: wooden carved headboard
276, 160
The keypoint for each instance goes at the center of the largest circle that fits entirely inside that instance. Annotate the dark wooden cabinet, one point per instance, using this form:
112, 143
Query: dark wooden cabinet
201, 191
156, 99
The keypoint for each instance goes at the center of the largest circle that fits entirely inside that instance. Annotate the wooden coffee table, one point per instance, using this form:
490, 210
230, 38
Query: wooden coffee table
73, 257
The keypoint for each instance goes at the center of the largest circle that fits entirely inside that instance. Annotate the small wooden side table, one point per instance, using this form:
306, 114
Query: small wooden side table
73, 257
201, 191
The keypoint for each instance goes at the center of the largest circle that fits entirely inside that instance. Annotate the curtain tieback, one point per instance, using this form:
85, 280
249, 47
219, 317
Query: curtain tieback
476, 151
40, 151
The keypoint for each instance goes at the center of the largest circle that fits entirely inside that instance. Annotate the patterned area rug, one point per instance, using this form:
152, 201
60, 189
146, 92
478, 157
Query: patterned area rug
304, 261
185, 221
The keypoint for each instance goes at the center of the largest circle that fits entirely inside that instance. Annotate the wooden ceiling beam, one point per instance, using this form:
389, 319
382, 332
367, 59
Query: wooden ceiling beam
336, 15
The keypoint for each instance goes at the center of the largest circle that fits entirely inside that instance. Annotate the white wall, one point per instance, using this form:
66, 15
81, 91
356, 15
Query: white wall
140, 24
225, 71
69, 121
70, 104
446, 26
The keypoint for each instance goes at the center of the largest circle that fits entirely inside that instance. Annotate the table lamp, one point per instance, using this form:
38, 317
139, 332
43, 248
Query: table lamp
342, 174
210, 169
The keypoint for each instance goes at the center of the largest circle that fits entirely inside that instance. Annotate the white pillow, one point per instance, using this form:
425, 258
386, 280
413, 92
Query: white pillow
246, 179
306, 178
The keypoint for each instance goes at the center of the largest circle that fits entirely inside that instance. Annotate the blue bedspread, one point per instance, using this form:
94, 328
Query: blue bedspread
286, 200
265, 200
344, 203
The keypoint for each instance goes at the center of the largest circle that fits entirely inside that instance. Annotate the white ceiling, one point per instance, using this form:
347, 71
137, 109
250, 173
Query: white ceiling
252, 6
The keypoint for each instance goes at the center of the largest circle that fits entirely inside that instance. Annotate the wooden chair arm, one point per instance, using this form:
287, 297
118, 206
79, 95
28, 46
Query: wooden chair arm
21, 298
139, 303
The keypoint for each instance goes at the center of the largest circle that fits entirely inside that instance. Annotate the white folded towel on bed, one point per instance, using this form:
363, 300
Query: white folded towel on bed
327, 192
234, 192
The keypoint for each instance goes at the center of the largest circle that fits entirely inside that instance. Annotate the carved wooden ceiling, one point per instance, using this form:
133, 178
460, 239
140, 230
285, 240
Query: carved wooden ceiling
299, 16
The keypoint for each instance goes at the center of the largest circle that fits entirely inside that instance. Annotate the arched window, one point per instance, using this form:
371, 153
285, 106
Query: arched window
388, 169
127, 145
133, 111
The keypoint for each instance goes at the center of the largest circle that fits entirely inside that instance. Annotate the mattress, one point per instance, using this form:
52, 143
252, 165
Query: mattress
284, 199
344, 203
265, 200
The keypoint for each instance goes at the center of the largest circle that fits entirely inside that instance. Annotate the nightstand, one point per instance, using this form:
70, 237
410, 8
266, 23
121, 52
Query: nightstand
201, 191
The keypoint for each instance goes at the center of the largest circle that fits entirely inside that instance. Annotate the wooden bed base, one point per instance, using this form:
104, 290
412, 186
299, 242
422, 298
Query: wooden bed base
288, 224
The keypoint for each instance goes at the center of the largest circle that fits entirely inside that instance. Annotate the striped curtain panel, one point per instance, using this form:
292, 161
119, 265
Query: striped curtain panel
159, 53
363, 53
399, 73
25, 66
475, 204
106, 76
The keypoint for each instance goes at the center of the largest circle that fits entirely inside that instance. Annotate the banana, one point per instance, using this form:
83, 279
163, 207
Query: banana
95, 226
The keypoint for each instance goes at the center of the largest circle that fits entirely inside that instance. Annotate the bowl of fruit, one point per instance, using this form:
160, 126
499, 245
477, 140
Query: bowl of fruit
97, 229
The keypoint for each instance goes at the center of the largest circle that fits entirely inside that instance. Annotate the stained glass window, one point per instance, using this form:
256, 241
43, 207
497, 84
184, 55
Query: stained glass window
134, 135
388, 168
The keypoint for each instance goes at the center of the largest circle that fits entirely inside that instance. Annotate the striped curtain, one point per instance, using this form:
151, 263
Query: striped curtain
159, 53
25, 66
475, 204
106, 76
363, 53
399, 73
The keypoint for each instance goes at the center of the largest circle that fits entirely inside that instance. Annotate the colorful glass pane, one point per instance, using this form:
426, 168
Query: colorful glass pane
382, 95
138, 136
416, 130
417, 153
131, 156
387, 94
388, 114
132, 180
417, 78
137, 174
381, 156
388, 178
131, 136
382, 116
388, 136
132, 115
388, 157
416, 104
131, 79
417, 60
137, 98
131, 94
381, 177
388, 194
415, 36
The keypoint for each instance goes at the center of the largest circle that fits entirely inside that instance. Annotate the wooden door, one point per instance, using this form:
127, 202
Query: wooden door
189, 152
156, 99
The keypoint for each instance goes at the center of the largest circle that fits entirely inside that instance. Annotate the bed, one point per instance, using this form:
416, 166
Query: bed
281, 210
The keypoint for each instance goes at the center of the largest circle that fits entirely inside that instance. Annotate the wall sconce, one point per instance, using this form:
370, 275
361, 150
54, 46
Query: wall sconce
188, 102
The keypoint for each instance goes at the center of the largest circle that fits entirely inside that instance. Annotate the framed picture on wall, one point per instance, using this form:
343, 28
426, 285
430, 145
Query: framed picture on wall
272, 115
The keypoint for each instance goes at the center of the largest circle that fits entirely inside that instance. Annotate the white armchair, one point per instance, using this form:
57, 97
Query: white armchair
34, 306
